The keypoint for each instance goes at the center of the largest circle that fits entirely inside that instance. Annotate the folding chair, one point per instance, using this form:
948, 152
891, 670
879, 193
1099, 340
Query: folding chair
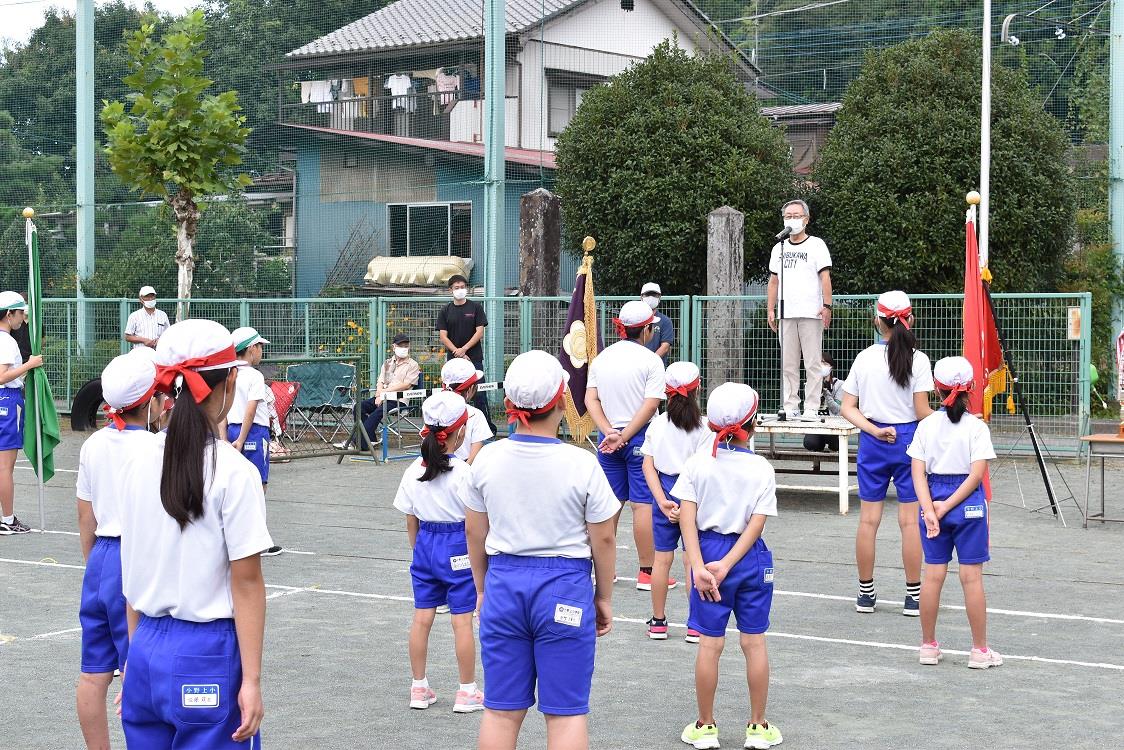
281, 396
325, 398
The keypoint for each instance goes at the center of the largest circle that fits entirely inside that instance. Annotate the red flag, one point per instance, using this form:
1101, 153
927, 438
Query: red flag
981, 338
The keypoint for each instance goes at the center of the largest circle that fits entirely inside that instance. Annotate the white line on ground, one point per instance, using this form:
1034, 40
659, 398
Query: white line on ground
44, 563
43, 636
51, 531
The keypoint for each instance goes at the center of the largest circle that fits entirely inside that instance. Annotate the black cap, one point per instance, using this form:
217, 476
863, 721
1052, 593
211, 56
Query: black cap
401, 338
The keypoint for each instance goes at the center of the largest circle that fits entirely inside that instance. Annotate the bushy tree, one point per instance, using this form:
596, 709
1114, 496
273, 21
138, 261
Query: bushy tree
905, 150
649, 154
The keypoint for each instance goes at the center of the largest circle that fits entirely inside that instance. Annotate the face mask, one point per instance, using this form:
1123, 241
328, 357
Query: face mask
150, 303
653, 302
401, 352
459, 294
796, 225
827, 372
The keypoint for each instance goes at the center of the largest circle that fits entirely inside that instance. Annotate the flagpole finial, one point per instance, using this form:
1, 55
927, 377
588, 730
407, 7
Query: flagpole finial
29, 213
973, 198
588, 244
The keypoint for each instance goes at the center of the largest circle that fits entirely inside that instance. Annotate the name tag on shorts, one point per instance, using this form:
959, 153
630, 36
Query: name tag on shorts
3, 411
768, 575
564, 614
973, 511
460, 562
200, 696
249, 446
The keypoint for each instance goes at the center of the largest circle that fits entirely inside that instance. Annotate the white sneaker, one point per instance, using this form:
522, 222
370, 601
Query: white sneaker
984, 659
443, 609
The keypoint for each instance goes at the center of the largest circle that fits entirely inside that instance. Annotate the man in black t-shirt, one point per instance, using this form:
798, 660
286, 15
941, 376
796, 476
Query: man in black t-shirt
461, 324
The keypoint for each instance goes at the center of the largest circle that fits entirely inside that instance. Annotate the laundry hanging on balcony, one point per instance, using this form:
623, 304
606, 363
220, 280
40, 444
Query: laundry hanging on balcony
401, 87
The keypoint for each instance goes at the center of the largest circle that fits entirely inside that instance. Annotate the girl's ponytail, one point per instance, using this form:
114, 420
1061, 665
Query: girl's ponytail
900, 346
958, 407
683, 411
435, 457
183, 479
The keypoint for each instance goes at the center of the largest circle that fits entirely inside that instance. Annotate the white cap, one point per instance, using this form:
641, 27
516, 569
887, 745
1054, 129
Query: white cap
893, 302
651, 286
635, 314
680, 375
533, 379
11, 301
245, 337
195, 338
443, 409
146, 290
127, 379
953, 371
458, 371
731, 404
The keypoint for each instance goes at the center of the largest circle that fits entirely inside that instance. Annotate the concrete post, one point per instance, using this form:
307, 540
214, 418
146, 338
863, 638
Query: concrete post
724, 345
540, 243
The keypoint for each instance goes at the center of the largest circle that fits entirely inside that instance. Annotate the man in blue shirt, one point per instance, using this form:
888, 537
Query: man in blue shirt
663, 330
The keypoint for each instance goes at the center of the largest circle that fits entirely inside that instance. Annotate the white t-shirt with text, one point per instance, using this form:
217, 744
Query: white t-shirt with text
802, 292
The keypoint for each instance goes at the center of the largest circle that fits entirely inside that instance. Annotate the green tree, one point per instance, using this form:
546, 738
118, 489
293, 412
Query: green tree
905, 150
649, 154
176, 142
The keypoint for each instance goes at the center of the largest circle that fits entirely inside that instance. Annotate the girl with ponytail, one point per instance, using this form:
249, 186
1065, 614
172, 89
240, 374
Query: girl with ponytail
885, 395
432, 494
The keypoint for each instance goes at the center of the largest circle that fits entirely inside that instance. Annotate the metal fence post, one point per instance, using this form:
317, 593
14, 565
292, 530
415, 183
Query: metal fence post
1085, 358
124, 315
307, 333
373, 326
525, 324
244, 313
69, 356
685, 328
695, 330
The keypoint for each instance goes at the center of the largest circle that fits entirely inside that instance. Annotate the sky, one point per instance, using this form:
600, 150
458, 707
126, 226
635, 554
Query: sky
21, 17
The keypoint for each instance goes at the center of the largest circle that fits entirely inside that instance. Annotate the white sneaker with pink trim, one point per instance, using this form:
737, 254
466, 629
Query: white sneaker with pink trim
984, 659
422, 698
468, 703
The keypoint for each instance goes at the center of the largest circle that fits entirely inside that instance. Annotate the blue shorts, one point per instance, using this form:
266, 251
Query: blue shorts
538, 625
964, 528
105, 626
665, 534
256, 447
11, 419
440, 572
879, 462
181, 687
747, 590
625, 470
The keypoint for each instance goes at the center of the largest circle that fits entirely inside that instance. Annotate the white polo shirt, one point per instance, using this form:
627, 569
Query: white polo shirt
803, 261
186, 574
476, 430
880, 398
98, 480
249, 386
728, 489
670, 446
948, 448
10, 356
625, 374
142, 324
539, 494
440, 499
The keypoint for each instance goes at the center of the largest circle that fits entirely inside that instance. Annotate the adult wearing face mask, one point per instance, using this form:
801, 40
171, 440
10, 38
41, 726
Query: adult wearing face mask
146, 325
399, 373
663, 330
460, 326
805, 308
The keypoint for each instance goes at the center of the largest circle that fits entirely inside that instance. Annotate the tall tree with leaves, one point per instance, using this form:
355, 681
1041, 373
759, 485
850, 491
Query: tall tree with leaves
176, 141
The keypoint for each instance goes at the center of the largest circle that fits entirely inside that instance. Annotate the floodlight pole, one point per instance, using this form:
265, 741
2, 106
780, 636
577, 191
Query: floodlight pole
1116, 143
495, 255
84, 187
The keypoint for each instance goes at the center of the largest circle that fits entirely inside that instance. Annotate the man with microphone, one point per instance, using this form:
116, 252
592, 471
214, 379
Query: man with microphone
800, 277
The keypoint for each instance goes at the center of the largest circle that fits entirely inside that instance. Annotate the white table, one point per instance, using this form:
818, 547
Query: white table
837, 427
1103, 446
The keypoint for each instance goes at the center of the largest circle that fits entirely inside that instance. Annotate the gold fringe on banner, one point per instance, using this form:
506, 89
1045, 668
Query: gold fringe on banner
580, 427
998, 382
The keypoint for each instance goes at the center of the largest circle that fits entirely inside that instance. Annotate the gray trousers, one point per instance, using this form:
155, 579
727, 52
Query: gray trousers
801, 336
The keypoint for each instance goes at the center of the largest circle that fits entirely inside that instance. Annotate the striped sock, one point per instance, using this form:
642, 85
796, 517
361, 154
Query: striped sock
913, 589
866, 588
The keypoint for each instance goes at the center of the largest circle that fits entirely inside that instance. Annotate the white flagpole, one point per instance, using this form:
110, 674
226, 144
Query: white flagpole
33, 293
985, 138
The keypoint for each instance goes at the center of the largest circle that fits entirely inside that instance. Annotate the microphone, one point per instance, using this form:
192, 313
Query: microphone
784, 234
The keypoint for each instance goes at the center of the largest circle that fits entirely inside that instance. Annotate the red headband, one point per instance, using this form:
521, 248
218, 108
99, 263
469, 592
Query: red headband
519, 414
681, 390
734, 431
461, 387
901, 315
166, 374
443, 433
954, 391
622, 329
114, 415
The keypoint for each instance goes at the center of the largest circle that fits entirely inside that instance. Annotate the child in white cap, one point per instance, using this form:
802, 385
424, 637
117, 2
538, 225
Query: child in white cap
538, 510
12, 369
623, 392
432, 494
128, 387
190, 561
950, 452
671, 439
460, 376
727, 492
885, 395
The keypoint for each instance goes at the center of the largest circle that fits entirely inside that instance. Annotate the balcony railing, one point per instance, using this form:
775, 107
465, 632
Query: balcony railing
425, 115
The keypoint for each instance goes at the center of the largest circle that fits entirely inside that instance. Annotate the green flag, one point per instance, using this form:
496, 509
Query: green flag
41, 422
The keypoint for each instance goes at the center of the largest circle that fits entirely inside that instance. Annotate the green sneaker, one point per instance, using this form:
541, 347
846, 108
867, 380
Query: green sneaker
762, 736
700, 738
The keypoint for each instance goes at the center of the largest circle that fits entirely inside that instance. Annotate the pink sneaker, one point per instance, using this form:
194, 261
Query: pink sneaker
468, 702
422, 698
931, 653
980, 659
644, 581
692, 636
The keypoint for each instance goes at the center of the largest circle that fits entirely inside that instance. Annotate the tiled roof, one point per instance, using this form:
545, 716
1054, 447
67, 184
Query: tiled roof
411, 23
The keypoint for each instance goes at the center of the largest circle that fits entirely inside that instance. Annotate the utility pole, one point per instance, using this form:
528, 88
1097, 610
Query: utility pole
1116, 144
495, 255
84, 188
